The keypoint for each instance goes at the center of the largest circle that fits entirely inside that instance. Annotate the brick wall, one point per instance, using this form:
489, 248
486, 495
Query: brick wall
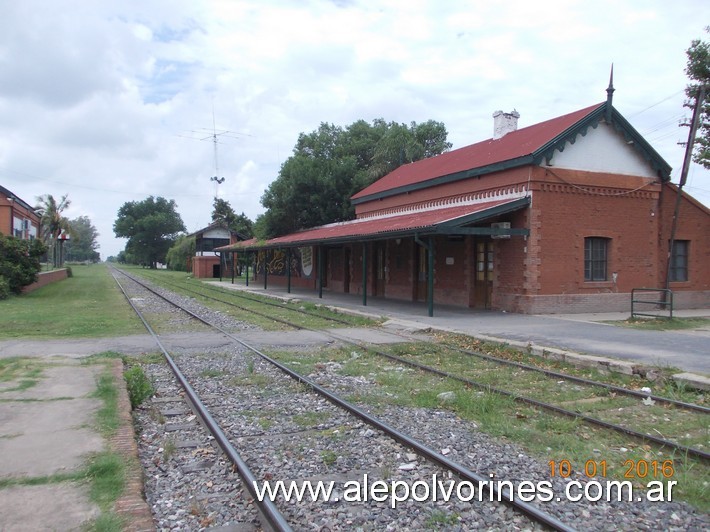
589, 303
569, 213
400, 269
693, 226
202, 267
451, 281
45, 278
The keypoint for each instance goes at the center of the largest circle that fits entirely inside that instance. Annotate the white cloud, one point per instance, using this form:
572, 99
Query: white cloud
97, 97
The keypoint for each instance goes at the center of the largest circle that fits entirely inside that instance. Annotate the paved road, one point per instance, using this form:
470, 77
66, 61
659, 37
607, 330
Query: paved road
688, 350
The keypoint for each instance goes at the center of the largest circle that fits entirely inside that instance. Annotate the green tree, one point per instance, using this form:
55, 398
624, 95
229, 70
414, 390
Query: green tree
124, 258
83, 243
180, 253
332, 163
403, 144
52, 222
222, 212
698, 70
243, 225
19, 263
151, 226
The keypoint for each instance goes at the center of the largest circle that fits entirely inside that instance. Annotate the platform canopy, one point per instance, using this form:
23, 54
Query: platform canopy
436, 218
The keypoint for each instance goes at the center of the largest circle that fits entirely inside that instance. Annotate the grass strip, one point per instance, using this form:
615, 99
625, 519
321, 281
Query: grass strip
89, 304
663, 324
310, 315
546, 436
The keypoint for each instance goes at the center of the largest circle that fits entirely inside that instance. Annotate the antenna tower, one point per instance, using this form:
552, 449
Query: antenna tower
217, 180
213, 136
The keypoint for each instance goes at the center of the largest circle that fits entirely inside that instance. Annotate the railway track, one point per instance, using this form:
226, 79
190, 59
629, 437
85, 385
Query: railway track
590, 393
353, 428
437, 456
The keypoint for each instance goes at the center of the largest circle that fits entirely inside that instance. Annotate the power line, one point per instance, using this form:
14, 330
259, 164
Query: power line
655, 104
109, 190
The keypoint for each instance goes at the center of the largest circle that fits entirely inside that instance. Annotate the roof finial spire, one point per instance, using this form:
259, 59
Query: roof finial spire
609, 95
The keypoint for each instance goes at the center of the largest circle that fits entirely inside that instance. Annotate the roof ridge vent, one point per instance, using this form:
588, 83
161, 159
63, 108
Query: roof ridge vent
504, 123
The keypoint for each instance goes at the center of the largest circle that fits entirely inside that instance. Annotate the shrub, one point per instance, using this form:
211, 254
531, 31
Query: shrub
19, 261
4, 288
181, 253
138, 385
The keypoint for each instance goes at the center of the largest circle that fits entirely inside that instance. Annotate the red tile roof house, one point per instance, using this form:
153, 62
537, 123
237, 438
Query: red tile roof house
568, 215
17, 217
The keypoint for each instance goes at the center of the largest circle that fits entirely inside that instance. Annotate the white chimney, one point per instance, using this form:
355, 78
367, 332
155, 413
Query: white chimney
504, 123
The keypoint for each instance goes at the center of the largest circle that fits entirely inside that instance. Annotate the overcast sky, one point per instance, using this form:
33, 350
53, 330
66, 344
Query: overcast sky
106, 100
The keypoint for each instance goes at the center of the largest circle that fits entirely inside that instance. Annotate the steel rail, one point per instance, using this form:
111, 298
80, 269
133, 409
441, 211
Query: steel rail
691, 451
502, 495
272, 516
240, 294
582, 380
262, 314
490, 358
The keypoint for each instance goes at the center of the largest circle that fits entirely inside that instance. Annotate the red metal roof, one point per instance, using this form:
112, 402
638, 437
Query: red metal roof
515, 144
364, 227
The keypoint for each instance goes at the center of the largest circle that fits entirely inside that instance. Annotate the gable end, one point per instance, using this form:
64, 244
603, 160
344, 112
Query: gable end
620, 124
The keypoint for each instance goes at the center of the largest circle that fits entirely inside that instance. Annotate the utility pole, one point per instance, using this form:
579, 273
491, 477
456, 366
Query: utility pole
684, 176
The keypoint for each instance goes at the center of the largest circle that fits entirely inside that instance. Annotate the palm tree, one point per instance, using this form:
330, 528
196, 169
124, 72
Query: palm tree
52, 222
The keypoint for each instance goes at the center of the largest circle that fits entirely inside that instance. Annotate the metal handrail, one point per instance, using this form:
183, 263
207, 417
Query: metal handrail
665, 300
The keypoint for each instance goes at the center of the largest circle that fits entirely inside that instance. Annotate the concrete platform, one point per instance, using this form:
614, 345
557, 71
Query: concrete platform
50, 428
62, 506
47, 429
585, 338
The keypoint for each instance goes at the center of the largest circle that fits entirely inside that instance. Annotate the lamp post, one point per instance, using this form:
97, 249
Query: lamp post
63, 236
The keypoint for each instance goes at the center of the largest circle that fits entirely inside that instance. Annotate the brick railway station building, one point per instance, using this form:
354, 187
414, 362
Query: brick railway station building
568, 215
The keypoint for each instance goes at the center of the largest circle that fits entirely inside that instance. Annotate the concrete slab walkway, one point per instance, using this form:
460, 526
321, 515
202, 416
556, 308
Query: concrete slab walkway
48, 432
45, 430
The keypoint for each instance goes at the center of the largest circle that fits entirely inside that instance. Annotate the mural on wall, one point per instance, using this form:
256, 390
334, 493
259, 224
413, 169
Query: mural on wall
301, 262
306, 261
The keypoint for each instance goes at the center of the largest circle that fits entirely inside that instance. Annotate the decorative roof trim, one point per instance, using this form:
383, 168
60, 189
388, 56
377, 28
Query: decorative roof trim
472, 198
446, 179
462, 221
620, 124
